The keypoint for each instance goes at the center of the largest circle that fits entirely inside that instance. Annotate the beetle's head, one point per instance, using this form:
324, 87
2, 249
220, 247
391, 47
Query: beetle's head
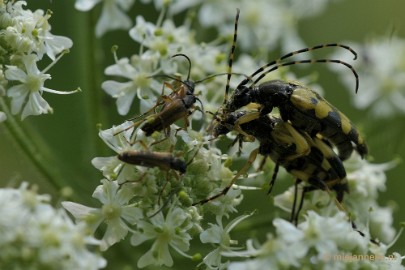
240, 98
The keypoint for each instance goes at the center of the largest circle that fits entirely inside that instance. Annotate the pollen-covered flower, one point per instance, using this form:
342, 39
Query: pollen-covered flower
113, 14
37, 236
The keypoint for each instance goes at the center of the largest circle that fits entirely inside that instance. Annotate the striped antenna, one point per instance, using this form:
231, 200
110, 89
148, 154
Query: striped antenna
307, 61
276, 63
231, 56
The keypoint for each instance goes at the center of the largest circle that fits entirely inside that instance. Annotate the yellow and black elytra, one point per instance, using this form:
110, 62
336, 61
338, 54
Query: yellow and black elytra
306, 110
163, 160
309, 159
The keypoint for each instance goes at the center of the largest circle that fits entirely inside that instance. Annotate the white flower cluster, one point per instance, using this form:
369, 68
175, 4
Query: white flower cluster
152, 204
141, 70
24, 39
34, 235
380, 65
283, 16
317, 242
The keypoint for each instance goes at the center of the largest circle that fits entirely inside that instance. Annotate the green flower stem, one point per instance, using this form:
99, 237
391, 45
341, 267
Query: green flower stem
34, 150
92, 75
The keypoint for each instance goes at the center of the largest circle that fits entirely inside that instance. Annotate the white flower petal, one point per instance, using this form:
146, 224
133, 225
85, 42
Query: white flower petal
36, 105
77, 210
116, 231
13, 73
85, 5
138, 238
56, 44
115, 89
158, 255
3, 116
212, 235
124, 102
111, 18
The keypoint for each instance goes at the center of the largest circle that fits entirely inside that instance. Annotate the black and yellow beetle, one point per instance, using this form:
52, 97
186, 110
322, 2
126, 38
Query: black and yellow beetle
305, 109
309, 159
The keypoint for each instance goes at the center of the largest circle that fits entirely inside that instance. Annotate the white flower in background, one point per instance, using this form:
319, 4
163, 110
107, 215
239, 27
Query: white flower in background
175, 6
37, 236
369, 177
29, 32
366, 180
116, 212
170, 231
256, 18
113, 14
27, 95
324, 242
165, 39
139, 71
273, 254
380, 65
3, 117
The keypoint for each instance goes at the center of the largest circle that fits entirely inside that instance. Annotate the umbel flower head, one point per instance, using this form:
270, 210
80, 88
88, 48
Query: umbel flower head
37, 236
24, 39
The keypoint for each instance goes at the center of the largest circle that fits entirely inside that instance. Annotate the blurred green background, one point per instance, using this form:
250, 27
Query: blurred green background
70, 134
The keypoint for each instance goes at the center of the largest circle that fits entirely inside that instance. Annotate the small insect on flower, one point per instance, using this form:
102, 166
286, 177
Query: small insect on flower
169, 109
174, 107
303, 107
163, 160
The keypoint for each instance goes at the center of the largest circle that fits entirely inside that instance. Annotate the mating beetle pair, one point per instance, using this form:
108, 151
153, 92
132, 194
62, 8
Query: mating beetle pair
309, 159
302, 139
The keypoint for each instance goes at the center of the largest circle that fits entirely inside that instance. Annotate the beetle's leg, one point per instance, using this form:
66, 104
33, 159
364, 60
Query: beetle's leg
245, 119
294, 218
242, 171
273, 178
